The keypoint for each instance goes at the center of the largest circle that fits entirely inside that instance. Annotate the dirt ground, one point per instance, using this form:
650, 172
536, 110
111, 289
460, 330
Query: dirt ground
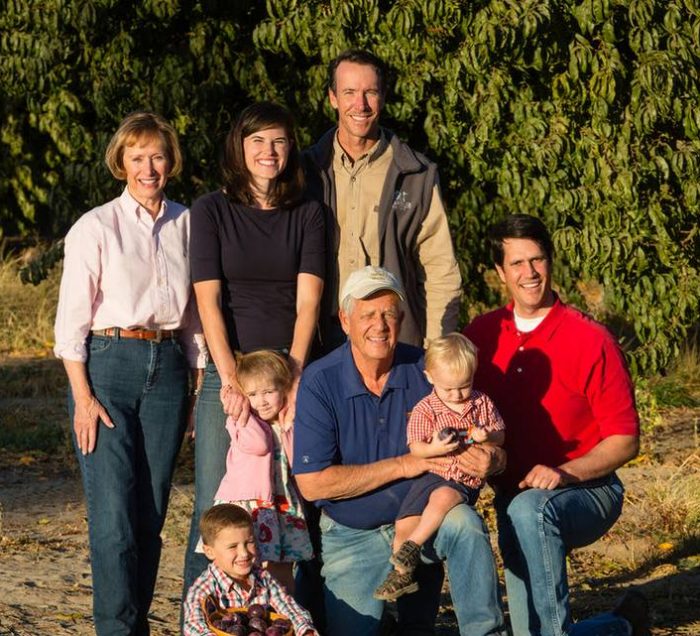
45, 573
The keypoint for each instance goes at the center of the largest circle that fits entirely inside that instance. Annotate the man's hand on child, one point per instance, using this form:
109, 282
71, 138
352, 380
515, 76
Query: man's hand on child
482, 460
412, 466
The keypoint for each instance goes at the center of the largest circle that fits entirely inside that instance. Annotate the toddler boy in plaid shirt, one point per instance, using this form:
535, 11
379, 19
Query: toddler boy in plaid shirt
471, 416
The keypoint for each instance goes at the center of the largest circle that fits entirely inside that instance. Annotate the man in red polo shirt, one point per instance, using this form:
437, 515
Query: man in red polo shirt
562, 386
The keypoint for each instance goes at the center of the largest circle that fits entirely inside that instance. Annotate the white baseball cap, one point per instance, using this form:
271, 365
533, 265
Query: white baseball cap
369, 280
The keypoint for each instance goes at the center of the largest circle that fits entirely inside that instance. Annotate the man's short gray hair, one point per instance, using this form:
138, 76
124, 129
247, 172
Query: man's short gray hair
347, 305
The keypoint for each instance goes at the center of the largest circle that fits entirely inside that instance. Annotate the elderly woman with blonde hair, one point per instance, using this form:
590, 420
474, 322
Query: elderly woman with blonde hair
127, 331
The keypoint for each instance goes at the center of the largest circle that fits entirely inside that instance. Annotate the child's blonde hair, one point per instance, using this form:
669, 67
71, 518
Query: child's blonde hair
454, 352
269, 364
222, 516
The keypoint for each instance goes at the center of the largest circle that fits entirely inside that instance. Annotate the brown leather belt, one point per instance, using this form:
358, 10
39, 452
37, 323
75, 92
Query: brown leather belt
153, 335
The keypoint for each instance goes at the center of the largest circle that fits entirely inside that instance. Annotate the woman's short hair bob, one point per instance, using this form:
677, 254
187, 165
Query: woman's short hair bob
287, 189
453, 352
265, 363
143, 126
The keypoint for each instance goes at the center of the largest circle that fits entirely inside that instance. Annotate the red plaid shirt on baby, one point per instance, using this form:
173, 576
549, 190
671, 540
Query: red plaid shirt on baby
431, 415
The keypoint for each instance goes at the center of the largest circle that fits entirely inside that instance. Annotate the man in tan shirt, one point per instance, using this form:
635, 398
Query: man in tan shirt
386, 203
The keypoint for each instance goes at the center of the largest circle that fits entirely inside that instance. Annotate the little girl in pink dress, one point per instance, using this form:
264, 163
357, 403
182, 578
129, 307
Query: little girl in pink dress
258, 476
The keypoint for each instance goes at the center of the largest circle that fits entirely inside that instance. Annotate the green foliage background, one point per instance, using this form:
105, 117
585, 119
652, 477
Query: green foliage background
586, 114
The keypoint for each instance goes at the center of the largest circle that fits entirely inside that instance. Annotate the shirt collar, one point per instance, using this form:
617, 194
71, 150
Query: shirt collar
371, 155
136, 211
547, 327
353, 384
227, 582
439, 407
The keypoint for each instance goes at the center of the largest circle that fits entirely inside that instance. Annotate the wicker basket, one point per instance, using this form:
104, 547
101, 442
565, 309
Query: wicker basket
219, 612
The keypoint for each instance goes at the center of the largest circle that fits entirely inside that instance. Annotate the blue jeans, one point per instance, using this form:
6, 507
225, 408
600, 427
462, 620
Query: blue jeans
536, 529
210, 448
143, 387
356, 561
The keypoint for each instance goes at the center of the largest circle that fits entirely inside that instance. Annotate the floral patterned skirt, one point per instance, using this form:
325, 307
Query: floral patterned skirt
280, 530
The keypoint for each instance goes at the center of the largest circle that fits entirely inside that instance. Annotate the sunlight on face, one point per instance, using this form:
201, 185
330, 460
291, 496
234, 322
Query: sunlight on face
266, 154
266, 398
373, 326
147, 166
233, 551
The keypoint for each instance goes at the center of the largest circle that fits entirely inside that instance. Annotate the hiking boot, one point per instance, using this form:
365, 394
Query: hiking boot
395, 585
634, 608
406, 557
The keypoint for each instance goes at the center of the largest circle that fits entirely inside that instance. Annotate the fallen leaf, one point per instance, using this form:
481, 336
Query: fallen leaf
43, 521
25, 460
666, 546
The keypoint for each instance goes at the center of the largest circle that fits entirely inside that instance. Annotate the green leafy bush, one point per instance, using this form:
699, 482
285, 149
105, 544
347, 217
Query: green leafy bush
586, 114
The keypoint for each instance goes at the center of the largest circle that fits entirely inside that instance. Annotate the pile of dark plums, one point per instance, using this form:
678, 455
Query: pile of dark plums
256, 621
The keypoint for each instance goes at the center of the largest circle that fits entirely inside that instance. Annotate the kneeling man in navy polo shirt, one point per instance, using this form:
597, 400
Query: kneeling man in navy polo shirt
560, 382
351, 459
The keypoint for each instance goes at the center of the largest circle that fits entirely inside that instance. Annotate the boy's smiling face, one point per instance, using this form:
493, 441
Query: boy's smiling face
233, 551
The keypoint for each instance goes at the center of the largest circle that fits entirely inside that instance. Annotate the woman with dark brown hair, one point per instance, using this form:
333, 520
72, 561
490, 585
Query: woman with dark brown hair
257, 251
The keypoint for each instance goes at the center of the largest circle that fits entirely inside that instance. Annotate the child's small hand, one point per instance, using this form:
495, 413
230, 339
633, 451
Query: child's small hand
234, 402
479, 434
439, 447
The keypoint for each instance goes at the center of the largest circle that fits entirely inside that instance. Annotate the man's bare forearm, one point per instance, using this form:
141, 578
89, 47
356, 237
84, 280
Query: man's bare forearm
607, 456
343, 482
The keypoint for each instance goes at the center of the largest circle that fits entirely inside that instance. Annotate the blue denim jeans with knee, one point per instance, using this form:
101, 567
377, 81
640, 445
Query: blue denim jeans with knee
356, 561
536, 529
211, 446
143, 387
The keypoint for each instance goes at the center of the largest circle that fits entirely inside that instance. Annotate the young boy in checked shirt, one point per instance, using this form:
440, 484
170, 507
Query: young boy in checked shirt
450, 363
233, 578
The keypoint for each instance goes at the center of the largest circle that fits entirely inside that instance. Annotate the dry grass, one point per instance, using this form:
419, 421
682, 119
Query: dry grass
26, 313
664, 508
32, 384
673, 504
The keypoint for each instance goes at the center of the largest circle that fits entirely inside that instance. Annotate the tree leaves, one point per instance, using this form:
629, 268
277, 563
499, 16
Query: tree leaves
585, 113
